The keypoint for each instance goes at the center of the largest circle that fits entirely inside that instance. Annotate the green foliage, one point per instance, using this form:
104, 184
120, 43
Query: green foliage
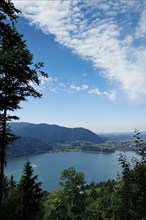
21, 201
53, 206
129, 196
10, 200
18, 74
73, 191
124, 199
140, 144
30, 193
67, 202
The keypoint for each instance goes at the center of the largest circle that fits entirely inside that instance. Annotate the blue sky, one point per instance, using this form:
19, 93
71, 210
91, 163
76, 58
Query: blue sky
94, 54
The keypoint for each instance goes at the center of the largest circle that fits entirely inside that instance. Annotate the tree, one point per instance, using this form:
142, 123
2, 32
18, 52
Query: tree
10, 200
53, 206
68, 201
129, 197
30, 193
22, 201
73, 192
18, 74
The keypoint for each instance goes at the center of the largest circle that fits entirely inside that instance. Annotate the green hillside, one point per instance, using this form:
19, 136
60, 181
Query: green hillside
40, 138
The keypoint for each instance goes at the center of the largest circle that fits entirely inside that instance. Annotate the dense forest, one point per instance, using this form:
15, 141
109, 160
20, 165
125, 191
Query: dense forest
41, 138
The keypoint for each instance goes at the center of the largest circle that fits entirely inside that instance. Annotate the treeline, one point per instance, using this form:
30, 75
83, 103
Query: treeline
85, 146
120, 199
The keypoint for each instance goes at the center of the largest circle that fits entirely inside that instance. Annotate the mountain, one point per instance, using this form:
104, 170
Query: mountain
123, 136
39, 138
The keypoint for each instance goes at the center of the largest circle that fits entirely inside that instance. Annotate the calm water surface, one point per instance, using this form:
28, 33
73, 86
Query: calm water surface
96, 167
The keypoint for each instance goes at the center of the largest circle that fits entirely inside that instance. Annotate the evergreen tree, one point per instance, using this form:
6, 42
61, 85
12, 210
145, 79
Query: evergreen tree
18, 74
10, 200
30, 193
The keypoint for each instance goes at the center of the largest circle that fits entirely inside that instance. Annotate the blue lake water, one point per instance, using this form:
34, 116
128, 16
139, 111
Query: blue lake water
48, 166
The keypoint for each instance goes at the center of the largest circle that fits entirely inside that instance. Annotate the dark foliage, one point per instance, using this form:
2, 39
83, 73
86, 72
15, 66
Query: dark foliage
18, 73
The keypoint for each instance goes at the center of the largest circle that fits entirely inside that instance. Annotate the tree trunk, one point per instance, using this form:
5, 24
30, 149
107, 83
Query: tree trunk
2, 158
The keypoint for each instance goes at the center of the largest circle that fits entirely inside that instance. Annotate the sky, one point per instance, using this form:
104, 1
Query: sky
94, 53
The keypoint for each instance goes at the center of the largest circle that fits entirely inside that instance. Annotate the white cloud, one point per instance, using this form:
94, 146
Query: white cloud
84, 87
94, 91
54, 85
110, 42
78, 88
44, 82
111, 95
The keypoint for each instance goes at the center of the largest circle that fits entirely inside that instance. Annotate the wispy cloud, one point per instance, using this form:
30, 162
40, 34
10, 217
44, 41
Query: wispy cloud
79, 88
111, 95
94, 91
54, 85
108, 33
44, 82
57, 87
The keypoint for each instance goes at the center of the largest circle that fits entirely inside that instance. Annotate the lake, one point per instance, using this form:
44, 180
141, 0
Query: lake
96, 166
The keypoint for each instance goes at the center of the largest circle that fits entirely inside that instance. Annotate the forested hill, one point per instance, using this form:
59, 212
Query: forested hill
37, 138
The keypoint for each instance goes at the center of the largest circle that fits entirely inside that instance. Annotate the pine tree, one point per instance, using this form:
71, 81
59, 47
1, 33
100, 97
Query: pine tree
10, 200
30, 194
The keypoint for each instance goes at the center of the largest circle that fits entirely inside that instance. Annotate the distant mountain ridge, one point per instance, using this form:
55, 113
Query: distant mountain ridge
37, 138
